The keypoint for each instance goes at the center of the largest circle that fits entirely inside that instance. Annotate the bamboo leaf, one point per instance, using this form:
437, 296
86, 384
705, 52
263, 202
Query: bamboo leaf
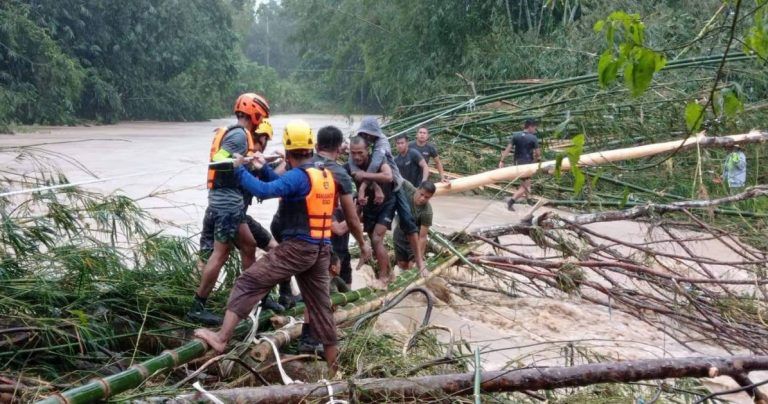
694, 116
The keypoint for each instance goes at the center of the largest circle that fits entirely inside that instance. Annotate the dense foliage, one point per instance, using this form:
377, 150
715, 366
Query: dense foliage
104, 61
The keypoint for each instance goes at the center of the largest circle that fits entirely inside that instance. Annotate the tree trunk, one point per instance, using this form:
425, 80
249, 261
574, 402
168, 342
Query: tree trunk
544, 378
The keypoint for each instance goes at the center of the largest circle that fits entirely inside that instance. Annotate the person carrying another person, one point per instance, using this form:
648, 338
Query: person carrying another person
527, 151
377, 215
427, 150
382, 153
422, 215
226, 202
410, 162
309, 196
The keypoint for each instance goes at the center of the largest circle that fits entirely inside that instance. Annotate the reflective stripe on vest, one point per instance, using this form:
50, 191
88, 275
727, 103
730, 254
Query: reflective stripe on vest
216, 146
321, 201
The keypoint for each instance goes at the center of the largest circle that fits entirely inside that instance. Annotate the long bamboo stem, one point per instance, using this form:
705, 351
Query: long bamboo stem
596, 159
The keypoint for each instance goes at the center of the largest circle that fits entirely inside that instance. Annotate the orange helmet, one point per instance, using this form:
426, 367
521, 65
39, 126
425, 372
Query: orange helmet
254, 106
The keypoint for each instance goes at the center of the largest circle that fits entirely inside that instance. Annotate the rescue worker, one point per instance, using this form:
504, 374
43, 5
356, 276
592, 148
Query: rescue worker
427, 150
264, 240
527, 151
309, 197
226, 202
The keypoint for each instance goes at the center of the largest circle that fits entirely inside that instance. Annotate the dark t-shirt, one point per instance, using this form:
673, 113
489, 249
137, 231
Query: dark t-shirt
340, 243
524, 144
427, 151
371, 206
409, 166
340, 175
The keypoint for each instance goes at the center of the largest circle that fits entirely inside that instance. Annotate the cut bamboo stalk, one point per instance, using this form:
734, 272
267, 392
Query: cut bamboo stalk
595, 159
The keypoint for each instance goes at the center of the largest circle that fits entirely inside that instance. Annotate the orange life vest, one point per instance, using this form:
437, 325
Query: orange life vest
223, 176
311, 216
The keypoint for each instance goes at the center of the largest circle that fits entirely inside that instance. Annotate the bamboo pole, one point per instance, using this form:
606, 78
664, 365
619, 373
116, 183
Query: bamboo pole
597, 158
102, 388
537, 378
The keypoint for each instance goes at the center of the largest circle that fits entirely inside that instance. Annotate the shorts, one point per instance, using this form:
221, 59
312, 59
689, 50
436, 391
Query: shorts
379, 214
219, 226
403, 250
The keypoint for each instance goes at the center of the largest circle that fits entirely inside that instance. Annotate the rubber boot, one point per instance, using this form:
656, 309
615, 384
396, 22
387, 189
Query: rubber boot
307, 344
199, 314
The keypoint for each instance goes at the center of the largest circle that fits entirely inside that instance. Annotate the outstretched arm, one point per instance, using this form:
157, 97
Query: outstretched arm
504, 154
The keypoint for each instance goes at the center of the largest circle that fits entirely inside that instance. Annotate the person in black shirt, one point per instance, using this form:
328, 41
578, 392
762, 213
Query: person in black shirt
411, 163
428, 151
527, 151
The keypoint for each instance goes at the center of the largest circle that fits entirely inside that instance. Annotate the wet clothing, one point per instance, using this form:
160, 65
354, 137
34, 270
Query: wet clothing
524, 144
735, 169
229, 198
344, 184
382, 153
409, 167
294, 257
299, 254
373, 213
422, 217
225, 224
293, 187
260, 234
427, 151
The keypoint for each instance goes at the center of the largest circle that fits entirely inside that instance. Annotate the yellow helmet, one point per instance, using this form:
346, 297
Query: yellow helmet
265, 128
298, 136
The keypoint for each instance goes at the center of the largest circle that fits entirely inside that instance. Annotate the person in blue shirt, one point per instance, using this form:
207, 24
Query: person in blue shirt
309, 197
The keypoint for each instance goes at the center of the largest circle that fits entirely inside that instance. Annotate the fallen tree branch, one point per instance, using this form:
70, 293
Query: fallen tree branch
552, 220
539, 378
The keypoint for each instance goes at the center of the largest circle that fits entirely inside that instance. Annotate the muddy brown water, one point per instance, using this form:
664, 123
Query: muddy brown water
171, 159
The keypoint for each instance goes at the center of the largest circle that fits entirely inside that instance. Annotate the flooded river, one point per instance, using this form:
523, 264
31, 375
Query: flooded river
170, 159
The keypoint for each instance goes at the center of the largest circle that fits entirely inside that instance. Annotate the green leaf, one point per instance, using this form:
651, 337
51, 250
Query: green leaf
731, 103
558, 165
638, 74
599, 25
694, 116
607, 69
